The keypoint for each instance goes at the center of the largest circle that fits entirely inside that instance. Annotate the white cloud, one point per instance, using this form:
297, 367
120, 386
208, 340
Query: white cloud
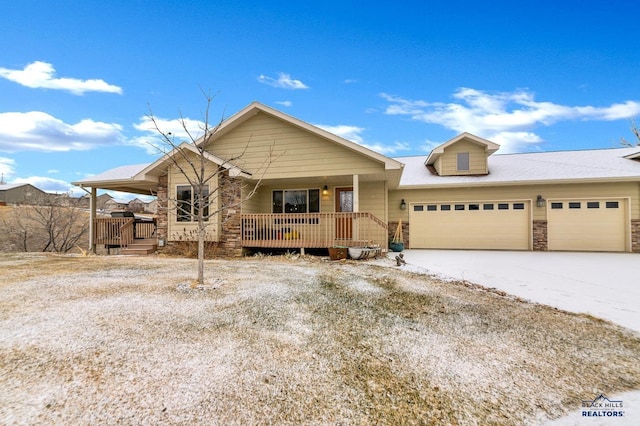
507, 118
353, 134
285, 103
6, 167
39, 131
42, 75
152, 140
284, 81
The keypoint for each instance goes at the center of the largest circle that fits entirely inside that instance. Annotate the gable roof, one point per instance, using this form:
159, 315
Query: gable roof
489, 146
9, 186
153, 170
598, 165
256, 107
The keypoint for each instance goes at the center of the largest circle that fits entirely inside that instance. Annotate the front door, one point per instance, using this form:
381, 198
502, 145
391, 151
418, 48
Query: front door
344, 204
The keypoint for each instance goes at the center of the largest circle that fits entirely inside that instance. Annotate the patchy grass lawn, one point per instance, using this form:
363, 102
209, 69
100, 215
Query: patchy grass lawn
86, 340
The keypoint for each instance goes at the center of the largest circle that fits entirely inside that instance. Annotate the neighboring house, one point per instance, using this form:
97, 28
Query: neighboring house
136, 205
151, 207
113, 204
21, 193
321, 190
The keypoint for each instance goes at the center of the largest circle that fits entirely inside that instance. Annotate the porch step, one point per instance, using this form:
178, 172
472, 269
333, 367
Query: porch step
141, 247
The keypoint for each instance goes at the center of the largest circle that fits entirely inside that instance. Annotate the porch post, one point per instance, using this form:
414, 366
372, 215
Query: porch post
356, 207
356, 194
92, 221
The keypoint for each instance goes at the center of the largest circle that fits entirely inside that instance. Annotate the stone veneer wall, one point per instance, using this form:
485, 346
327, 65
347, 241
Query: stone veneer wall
230, 192
635, 236
540, 241
163, 208
391, 230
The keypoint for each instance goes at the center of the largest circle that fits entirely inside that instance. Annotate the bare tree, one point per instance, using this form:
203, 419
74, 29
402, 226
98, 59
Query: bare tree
193, 160
636, 132
48, 226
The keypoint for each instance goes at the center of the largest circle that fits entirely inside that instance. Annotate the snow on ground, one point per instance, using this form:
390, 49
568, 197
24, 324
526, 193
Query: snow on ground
605, 285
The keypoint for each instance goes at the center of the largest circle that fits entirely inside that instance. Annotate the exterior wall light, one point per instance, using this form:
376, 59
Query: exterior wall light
325, 190
403, 205
540, 202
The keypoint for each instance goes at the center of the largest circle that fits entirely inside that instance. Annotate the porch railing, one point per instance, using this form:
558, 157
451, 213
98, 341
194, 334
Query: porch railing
313, 230
121, 231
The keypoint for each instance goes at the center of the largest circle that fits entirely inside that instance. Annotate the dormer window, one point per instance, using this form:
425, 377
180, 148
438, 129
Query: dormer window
463, 161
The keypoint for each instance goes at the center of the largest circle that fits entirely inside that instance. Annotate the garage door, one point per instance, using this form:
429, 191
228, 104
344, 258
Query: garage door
470, 225
591, 225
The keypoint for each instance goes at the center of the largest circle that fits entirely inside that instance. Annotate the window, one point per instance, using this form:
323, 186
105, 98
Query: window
593, 205
463, 161
432, 207
187, 204
474, 206
296, 201
487, 207
612, 204
574, 205
518, 206
445, 207
459, 206
556, 205
418, 208
503, 206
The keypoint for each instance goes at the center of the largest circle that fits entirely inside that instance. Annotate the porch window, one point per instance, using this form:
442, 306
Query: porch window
296, 201
187, 204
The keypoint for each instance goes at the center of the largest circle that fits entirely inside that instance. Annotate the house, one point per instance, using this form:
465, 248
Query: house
151, 207
136, 205
318, 190
112, 204
21, 193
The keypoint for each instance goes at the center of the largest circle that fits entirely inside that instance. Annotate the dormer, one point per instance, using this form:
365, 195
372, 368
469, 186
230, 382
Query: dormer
464, 155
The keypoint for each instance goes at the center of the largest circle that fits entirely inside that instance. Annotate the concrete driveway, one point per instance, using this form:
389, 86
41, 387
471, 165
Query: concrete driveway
605, 285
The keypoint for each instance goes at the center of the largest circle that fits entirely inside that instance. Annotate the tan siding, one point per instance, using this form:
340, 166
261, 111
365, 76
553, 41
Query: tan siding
517, 192
250, 205
186, 230
477, 159
296, 153
438, 165
372, 198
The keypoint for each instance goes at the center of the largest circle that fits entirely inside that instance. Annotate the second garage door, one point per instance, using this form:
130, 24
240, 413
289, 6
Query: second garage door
587, 225
470, 225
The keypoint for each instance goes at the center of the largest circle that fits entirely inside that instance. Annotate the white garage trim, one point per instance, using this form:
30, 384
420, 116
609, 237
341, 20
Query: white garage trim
485, 224
589, 224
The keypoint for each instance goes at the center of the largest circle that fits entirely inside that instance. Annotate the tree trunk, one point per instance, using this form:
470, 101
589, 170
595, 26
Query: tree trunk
202, 232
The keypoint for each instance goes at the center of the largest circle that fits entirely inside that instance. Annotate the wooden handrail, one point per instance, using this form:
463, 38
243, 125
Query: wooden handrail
121, 231
126, 233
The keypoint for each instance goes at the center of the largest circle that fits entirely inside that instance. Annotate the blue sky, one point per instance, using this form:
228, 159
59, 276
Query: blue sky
77, 78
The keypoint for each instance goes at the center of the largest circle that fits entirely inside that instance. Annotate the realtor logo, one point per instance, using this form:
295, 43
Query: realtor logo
602, 406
